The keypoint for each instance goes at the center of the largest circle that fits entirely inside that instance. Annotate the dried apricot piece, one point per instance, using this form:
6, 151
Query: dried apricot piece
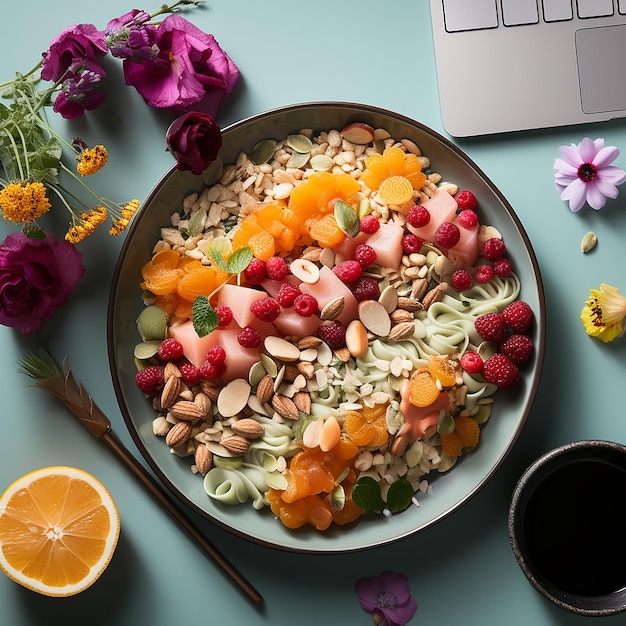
201, 280
423, 390
262, 245
326, 231
466, 434
160, 274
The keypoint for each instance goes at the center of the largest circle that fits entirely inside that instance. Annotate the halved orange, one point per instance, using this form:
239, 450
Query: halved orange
59, 527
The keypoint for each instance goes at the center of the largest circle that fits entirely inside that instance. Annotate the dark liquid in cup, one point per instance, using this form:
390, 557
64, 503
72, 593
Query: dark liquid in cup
576, 528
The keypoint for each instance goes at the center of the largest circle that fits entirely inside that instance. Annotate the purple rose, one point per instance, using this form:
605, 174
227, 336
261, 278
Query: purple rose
195, 140
36, 277
190, 71
70, 48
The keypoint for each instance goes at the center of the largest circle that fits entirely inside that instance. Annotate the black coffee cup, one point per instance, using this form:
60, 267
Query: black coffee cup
567, 526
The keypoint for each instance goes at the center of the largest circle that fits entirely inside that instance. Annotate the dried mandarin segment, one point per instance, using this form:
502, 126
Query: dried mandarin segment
247, 227
395, 190
392, 162
161, 273
196, 281
315, 196
422, 388
466, 434
326, 231
262, 245
444, 369
367, 427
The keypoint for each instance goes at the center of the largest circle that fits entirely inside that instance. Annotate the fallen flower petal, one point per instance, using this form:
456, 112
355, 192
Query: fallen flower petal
604, 312
585, 174
387, 596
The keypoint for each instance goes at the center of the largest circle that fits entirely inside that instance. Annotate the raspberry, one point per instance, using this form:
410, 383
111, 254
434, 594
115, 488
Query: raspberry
212, 371
472, 362
265, 309
150, 380
502, 267
224, 314
493, 248
491, 327
334, 334
189, 373
369, 224
466, 199
170, 349
305, 304
216, 355
447, 235
484, 273
461, 280
287, 293
411, 243
499, 370
518, 348
468, 218
418, 216
256, 272
248, 337
366, 289
518, 316
276, 268
365, 255
348, 271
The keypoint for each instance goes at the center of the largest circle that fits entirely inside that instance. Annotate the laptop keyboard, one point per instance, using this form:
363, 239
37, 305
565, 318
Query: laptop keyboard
463, 15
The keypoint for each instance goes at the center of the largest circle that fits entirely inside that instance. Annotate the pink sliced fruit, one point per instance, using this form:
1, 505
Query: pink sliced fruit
239, 299
442, 208
329, 286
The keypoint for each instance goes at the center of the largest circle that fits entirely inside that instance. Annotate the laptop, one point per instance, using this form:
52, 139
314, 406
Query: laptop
509, 65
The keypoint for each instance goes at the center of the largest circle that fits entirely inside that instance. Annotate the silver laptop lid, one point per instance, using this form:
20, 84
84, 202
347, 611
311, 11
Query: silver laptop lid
506, 65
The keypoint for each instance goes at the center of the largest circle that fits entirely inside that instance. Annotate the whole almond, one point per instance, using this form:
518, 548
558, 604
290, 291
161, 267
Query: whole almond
400, 331
203, 459
236, 444
435, 294
309, 342
171, 369
285, 406
203, 402
420, 287
186, 410
178, 434
410, 304
248, 428
210, 389
171, 390
302, 399
265, 389
333, 308
306, 369
401, 315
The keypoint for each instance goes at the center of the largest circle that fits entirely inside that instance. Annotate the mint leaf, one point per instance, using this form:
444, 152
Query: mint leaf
366, 494
218, 258
399, 495
205, 319
239, 260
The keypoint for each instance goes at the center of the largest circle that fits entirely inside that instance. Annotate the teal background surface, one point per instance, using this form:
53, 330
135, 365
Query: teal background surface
462, 570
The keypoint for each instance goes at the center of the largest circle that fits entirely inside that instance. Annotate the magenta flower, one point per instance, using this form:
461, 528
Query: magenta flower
195, 140
70, 48
387, 597
79, 93
37, 276
585, 174
190, 71
130, 37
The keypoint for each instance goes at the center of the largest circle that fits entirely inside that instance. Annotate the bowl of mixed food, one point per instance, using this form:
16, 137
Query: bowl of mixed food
332, 338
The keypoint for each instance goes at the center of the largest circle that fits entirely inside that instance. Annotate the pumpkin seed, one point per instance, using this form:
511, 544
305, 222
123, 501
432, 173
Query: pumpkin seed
298, 159
196, 222
445, 423
300, 143
213, 173
263, 151
321, 162
338, 498
152, 323
589, 242
146, 349
270, 365
347, 219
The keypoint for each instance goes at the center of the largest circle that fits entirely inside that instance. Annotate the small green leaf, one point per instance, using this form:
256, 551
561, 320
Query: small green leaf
196, 222
239, 260
218, 258
347, 219
366, 494
205, 319
399, 495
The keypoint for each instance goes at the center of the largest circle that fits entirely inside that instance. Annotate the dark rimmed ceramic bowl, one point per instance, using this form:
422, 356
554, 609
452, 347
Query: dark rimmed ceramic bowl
452, 489
566, 526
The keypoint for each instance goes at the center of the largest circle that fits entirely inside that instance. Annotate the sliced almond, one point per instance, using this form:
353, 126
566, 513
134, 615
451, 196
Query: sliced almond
305, 270
389, 298
282, 349
233, 397
374, 317
356, 339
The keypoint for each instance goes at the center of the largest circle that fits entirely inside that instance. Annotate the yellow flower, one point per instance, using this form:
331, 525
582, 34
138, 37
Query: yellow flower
118, 225
604, 312
92, 160
88, 222
24, 202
